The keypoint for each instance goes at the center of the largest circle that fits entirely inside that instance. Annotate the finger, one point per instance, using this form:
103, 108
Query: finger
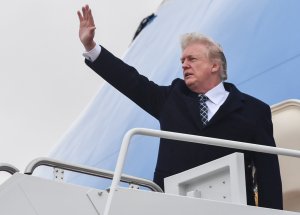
91, 18
92, 29
88, 15
84, 12
86, 9
79, 16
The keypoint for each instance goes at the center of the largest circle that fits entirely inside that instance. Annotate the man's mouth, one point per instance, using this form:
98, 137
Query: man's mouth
186, 75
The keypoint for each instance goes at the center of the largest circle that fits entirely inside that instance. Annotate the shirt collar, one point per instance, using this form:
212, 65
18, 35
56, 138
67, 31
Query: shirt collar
217, 93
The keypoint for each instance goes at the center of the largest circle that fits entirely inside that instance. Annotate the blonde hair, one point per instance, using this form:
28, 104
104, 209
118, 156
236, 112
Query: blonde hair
215, 50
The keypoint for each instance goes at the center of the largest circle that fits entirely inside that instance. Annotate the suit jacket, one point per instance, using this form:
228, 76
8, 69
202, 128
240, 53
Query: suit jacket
240, 118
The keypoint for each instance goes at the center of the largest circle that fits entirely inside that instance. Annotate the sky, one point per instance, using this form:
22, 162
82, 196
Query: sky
45, 84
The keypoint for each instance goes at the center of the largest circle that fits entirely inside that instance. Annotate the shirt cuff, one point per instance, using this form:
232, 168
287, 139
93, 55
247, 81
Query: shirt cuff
93, 54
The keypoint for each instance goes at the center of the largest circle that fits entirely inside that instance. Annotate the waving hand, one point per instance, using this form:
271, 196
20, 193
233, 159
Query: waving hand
86, 28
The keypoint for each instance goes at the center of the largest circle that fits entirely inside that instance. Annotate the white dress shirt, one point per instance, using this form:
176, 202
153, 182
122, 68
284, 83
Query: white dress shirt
92, 54
216, 97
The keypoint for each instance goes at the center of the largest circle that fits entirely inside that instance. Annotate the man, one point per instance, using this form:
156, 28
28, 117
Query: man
201, 104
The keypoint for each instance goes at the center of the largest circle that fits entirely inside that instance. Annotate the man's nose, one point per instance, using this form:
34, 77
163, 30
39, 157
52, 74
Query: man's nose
184, 64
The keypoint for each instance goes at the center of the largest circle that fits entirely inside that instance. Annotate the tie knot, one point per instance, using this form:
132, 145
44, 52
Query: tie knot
203, 98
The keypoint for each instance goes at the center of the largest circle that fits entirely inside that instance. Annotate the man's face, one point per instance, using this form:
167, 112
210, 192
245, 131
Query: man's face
198, 69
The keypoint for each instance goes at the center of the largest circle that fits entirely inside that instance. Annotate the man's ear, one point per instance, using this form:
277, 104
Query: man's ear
215, 67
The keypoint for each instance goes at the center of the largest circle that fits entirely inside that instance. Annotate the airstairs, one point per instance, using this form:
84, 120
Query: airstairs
214, 188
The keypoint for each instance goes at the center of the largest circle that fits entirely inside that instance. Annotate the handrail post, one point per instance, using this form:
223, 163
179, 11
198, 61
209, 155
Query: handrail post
119, 168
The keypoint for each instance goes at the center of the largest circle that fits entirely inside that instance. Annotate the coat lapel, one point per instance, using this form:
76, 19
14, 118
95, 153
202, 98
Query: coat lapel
234, 101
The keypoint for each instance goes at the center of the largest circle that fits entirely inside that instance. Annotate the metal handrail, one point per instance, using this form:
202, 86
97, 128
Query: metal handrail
186, 138
8, 168
89, 171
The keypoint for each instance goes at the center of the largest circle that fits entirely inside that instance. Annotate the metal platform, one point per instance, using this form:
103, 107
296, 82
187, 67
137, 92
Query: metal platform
26, 194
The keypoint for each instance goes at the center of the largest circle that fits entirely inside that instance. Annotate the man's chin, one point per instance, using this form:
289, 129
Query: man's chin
189, 84
188, 81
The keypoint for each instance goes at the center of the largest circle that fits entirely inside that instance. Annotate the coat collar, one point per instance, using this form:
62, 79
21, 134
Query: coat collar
234, 101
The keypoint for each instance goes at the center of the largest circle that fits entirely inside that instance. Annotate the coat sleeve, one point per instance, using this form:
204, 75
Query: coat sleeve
267, 165
145, 93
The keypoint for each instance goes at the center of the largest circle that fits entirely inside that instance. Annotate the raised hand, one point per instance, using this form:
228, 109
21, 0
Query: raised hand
86, 28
